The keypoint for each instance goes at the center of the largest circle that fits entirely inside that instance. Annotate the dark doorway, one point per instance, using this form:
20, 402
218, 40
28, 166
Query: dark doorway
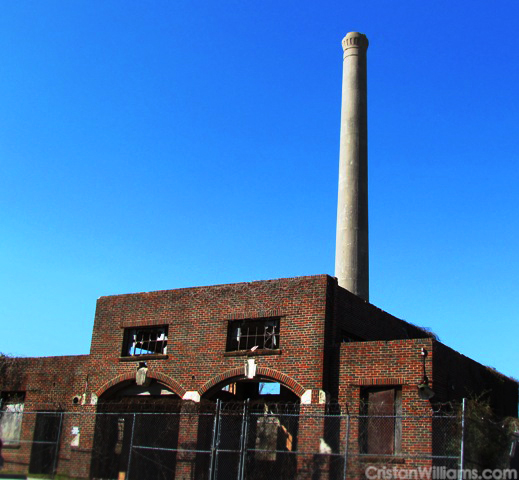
45, 446
380, 428
136, 435
254, 431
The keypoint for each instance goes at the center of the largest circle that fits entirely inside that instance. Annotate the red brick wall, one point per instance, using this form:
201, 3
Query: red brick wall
198, 319
50, 384
452, 376
396, 362
313, 311
348, 313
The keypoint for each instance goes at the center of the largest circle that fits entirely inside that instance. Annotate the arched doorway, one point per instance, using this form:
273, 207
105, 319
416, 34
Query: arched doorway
254, 431
136, 432
261, 390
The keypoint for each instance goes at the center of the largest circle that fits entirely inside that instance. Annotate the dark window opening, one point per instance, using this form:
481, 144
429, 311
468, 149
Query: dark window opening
380, 429
145, 341
260, 333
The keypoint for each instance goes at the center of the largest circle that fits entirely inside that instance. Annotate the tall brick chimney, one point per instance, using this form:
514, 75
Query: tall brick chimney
352, 255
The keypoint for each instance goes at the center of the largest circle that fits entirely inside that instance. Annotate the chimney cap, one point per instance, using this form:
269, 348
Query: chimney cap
355, 40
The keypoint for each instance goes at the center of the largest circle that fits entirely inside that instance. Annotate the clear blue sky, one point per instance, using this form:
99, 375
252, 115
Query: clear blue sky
150, 145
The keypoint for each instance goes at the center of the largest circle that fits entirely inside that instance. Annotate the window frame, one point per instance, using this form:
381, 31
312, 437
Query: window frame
264, 341
16, 400
131, 342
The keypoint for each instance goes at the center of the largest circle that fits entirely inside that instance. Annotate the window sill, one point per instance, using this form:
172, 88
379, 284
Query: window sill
11, 445
142, 358
248, 353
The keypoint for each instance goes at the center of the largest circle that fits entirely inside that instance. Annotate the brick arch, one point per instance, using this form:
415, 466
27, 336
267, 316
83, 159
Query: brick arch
280, 377
167, 381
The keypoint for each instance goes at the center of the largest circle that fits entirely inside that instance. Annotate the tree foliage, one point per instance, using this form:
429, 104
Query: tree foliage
487, 438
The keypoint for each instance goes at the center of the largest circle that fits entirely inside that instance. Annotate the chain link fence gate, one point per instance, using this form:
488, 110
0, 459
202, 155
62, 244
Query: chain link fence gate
228, 441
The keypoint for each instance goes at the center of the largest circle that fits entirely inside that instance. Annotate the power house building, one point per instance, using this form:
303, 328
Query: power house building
315, 343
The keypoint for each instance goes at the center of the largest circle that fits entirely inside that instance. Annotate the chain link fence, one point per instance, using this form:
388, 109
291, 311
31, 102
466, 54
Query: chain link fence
236, 441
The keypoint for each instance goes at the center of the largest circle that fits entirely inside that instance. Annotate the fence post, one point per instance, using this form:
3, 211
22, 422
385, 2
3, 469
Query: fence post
243, 440
346, 447
212, 460
58, 439
462, 442
131, 448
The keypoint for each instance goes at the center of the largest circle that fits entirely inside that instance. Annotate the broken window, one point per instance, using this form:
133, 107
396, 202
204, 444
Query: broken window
380, 429
145, 341
269, 388
259, 333
11, 413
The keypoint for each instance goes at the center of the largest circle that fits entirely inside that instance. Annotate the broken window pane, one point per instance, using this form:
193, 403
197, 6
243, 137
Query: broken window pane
145, 341
259, 333
11, 417
269, 388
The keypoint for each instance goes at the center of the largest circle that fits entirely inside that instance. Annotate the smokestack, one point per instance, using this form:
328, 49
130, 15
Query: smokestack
351, 255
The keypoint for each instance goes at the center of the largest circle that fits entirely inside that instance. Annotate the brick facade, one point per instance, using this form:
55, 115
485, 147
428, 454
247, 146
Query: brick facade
312, 360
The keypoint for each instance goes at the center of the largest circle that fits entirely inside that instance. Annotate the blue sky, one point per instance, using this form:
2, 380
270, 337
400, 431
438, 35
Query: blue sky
149, 145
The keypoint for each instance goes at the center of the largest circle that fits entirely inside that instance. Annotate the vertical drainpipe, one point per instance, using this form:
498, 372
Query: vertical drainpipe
352, 255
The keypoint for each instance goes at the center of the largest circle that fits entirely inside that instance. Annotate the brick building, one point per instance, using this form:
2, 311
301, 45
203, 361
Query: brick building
305, 341
358, 380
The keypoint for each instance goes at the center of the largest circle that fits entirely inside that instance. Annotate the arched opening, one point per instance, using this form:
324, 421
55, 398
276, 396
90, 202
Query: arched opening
127, 396
136, 431
256, 390
256, 429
